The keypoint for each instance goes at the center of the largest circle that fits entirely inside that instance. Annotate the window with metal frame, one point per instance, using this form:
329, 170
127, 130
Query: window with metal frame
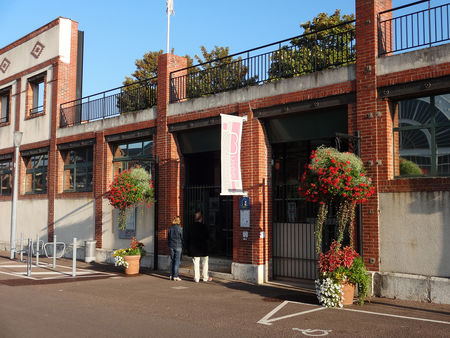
127, 155
36, 174
5, 96
78, 169
37, 94
5, 177
132, 153
422, 136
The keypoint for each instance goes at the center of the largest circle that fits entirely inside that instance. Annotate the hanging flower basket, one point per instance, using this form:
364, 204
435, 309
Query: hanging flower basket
335, 177
130, 189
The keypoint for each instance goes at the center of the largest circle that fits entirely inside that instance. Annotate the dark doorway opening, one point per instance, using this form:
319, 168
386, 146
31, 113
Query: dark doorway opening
202, 192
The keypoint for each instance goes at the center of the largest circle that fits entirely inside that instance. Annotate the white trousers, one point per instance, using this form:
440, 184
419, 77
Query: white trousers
204, 261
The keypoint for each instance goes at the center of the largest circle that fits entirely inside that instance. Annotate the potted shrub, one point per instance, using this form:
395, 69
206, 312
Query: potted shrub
130, 257
337, 178
129, 189
340, 269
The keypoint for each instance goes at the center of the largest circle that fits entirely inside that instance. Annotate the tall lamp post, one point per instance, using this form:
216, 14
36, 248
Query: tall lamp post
17, 141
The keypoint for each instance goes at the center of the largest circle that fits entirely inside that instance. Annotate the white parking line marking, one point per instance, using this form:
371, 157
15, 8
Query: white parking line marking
266, 321
398, 316
60, 273
17, 275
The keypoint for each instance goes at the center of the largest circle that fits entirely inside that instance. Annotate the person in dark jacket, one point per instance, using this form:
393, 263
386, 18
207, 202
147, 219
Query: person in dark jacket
198, 247
175, 237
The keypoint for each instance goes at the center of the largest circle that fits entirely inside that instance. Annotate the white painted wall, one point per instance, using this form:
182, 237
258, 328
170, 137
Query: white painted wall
415, 233
145, 226
32, 218
74, 218
56, 41
5, 224
112, 122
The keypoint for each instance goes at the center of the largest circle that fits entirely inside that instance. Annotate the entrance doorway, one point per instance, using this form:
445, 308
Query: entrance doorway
292, 139
202, 192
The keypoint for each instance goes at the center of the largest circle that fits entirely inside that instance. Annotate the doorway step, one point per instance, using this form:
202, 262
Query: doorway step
217, 267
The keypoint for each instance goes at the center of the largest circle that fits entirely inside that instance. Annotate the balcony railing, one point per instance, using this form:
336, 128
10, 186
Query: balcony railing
110, 103
422, 28
307, 53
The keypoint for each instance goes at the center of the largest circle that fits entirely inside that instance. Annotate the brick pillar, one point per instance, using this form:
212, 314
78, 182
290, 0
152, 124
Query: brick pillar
371, 125
254, 167
63, 90
169, 197
52, 158
99, 185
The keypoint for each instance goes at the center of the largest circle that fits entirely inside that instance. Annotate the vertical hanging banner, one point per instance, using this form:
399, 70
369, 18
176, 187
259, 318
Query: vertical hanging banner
231, 134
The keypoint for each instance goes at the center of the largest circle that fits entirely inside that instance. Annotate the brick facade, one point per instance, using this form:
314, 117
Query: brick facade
369, 114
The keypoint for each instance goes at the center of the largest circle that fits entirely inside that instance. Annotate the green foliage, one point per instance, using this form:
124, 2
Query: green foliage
216, 73
409, 168
359, 275
318, 48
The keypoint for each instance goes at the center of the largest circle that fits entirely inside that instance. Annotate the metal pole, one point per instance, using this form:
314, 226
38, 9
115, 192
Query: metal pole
54, 251
37, 250
14, 205
29, 257
74, 257
21, 246
168, 31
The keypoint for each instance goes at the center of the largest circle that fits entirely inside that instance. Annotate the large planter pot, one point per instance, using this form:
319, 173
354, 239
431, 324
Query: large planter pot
133, 264
349, 291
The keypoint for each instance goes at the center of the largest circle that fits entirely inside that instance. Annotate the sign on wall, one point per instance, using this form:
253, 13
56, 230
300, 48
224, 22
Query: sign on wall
231, 134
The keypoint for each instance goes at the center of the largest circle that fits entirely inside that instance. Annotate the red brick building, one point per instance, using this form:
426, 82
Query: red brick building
374, 89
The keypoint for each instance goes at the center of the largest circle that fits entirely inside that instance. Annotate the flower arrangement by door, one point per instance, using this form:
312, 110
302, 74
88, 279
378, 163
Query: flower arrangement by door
333, 177
128, 189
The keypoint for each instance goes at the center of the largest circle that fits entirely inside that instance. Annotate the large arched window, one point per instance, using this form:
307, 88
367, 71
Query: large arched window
422, 136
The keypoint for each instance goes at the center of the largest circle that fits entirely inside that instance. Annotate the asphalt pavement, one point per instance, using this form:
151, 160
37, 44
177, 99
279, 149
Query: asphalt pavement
102, 302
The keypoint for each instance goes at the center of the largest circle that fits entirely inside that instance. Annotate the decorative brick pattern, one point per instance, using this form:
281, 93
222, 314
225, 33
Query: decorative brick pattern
4, 65
37, 49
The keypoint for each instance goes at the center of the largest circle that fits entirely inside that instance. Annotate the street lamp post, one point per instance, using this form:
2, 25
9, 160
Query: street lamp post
17, 142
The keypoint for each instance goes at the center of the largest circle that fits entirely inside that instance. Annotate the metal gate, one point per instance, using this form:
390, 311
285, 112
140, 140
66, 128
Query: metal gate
293, 240
217, 215
293, 234
293, 251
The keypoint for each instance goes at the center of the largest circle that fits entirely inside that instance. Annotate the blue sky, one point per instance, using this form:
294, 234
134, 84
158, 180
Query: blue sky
119, 32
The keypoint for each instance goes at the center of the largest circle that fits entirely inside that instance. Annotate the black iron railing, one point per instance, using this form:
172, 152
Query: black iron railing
110, 103
36, 110
307, 53
408, 31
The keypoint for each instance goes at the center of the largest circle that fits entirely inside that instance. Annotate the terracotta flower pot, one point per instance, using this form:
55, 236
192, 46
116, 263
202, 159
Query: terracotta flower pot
349, 292
133, 264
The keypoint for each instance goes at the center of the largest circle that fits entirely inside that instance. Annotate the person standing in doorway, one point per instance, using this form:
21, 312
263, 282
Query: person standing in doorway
198, 247
175, 237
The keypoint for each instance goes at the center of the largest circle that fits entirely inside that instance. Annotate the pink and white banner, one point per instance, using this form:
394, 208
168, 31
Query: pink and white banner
231, 135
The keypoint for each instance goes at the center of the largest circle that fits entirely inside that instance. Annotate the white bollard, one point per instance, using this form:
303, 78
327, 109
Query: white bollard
54, 251
74, 257
29, 257
37, 250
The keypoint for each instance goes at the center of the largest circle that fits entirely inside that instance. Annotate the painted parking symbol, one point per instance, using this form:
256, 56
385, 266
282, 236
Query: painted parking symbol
313, 332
